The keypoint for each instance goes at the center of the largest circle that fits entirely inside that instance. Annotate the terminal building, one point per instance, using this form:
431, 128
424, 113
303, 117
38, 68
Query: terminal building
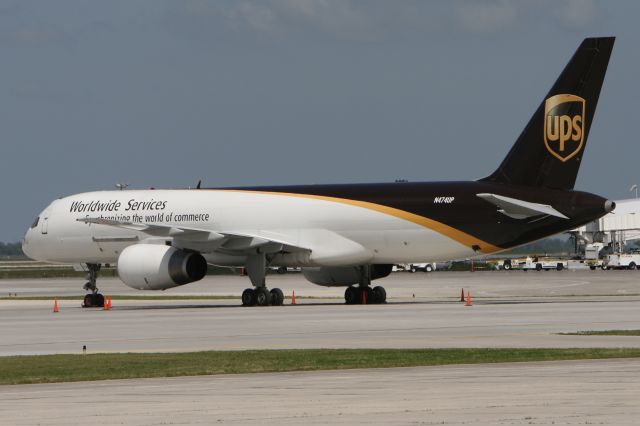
613, 231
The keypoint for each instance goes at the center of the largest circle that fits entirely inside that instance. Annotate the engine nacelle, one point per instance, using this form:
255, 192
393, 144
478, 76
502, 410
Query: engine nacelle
342, 276
159, 267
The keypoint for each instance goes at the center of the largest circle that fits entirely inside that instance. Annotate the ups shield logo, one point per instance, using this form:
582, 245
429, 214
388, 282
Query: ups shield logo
564, 125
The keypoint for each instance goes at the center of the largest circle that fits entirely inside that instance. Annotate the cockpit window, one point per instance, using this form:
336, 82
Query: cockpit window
35, 222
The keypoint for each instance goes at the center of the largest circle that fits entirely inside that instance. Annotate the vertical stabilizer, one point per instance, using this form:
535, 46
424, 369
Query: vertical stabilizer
549, 150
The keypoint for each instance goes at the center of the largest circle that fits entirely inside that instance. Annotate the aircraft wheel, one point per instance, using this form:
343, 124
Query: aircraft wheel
263, 297
248, 297
88, 301
277, 297
351, 296
379, 295
93, 300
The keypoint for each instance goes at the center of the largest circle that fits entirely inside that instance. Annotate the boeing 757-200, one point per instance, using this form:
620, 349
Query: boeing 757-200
340, 235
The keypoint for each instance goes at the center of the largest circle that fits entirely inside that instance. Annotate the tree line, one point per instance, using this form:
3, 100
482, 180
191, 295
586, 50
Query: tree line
11, 249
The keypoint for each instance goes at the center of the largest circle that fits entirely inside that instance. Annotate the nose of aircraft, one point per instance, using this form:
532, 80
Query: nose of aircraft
26, 247
32, 238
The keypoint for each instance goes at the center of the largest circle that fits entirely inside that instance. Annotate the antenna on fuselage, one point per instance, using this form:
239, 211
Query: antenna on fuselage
122, 186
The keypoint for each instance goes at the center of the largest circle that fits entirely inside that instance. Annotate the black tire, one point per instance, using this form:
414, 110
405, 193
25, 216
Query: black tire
379, 295
88, 301
538, 266
99, 300
592, 267
559, 267
282, 270
351, 296
412, 269
248, 297
428, 268
632, 265
263, 297
506, 265
277, 297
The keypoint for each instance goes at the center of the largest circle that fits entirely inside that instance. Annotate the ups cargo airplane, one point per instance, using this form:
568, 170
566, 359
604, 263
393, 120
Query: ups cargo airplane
341, 235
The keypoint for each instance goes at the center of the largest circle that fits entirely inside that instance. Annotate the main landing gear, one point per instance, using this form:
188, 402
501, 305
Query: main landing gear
93, 299
260, 295
363, 293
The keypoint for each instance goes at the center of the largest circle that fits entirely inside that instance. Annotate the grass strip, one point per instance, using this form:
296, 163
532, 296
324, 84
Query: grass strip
105, 366
604, 333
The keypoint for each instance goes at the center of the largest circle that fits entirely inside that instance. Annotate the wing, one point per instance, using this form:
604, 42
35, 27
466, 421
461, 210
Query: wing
204, 240
318, 246
519, 209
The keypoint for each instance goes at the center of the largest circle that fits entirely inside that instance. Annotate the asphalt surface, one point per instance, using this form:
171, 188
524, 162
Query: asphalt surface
514, 309
560, 393
431, 286
510, 309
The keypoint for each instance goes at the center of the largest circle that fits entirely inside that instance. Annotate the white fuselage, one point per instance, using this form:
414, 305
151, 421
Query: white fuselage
304, 221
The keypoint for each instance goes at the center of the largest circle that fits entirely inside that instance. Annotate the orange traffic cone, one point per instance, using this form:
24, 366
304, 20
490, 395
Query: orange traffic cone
110, 304
468, 299
105, 306
462, 295
293, 298
55, 306
364, 297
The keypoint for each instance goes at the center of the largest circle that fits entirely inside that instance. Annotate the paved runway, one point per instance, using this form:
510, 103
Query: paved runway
566, 392
431, 286
511, 309
514, 309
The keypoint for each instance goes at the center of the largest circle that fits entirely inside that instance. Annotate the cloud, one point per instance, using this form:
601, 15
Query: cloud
575, 13
343, 19
486, 16
371, 20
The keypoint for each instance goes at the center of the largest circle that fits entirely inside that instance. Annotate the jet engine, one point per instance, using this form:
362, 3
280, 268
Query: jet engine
343, 275
159, 267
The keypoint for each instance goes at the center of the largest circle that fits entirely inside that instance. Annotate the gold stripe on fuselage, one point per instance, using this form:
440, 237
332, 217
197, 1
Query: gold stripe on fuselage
453, 233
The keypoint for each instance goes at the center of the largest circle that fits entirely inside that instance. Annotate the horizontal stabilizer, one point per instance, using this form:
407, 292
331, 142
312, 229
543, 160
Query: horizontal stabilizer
519, 209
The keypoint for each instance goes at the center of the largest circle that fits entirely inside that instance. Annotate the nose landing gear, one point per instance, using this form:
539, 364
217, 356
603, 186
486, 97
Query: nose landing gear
93, 299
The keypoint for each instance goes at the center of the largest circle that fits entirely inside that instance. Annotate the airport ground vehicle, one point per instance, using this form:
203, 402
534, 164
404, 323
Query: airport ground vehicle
592, 255
621, 261
543, 263
424, 267
340, 235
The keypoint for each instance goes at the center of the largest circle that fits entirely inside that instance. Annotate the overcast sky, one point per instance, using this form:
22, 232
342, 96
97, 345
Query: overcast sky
163, 93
